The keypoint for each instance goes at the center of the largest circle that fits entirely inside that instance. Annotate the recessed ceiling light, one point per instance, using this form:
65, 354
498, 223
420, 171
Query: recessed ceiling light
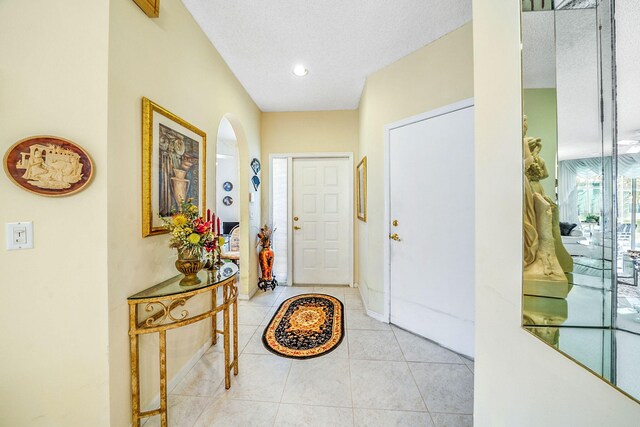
300, 70
628, 142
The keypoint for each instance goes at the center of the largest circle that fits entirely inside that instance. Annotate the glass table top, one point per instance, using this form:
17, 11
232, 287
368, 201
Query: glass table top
172, 286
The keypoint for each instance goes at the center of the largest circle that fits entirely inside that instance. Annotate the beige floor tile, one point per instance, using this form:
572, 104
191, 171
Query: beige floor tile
358, 319
353, 302
255, 345
445, 388
384, 385
261, 378
452, 420
373, 345
386, 418
245, 332
290, 415
269, 316
261, 298
182, 411
204, 379
251, 314
238, 413
418, 349
319, 381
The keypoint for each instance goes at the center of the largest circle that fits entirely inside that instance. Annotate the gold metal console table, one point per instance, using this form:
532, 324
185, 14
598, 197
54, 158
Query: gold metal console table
159, 302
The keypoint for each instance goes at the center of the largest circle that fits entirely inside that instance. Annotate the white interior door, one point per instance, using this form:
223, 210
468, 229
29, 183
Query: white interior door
321, 232
431, 195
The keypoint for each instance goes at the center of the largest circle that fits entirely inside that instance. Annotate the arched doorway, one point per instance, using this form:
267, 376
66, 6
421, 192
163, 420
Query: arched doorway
232, 165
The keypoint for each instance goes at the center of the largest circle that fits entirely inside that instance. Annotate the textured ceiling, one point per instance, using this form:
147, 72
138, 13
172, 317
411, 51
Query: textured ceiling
339, 41
567, 52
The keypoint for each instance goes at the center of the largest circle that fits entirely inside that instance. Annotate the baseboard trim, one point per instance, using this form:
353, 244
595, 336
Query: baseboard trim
179, 376
247, 297
373, 314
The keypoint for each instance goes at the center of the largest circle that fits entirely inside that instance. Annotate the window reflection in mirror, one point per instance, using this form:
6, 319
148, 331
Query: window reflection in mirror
581, 152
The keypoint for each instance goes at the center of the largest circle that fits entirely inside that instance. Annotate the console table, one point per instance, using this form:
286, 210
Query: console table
159, 303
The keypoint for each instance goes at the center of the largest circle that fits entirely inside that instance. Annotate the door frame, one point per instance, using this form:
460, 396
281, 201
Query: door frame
290, 157
386, 228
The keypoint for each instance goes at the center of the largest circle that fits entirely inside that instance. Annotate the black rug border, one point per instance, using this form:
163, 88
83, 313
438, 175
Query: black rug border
277, 353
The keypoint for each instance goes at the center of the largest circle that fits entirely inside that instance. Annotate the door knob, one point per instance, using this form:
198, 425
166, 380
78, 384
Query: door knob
295, 218
395, 237
295, 227
395, 223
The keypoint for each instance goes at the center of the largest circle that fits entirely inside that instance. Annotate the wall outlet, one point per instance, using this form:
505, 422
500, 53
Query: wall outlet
19, 235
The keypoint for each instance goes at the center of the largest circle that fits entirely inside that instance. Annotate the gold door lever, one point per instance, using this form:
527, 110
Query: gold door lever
395, 237
295, 227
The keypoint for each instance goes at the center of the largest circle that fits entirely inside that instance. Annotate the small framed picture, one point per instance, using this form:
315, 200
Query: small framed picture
256, 182
255, 166
361, 189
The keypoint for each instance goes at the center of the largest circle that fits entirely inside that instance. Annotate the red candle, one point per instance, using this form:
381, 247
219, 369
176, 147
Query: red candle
218, 225
213, 220
208, 215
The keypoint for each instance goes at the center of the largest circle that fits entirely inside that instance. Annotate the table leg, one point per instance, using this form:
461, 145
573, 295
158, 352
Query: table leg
227, 380
134, 358
235, 336
163, 378
135, 381
214, 319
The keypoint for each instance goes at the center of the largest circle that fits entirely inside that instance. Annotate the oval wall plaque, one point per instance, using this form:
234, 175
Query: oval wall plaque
48, 165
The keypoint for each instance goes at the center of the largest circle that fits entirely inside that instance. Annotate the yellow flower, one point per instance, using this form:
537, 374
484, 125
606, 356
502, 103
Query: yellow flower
193, 238
179, 220
193, 209
220, 241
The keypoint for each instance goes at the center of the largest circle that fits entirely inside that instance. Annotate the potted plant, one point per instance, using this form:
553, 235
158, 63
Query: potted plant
190, 235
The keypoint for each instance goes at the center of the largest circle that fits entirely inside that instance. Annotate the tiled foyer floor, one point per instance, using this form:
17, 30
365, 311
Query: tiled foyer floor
380, 375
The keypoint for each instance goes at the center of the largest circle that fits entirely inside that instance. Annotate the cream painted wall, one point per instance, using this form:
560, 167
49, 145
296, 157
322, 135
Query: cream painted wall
519, 381
170, 61
308, 132
53, 80
436, 75
540, 106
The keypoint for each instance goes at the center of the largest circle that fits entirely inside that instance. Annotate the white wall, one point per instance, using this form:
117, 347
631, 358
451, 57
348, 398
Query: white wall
519, 381
53, 80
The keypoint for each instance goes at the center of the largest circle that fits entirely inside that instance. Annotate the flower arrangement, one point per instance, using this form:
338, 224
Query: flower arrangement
191, 233
264, 236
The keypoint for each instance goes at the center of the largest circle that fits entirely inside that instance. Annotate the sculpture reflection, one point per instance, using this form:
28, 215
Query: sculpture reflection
543, 274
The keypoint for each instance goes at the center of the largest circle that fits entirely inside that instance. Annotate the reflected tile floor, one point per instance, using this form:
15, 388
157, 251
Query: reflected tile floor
380, 375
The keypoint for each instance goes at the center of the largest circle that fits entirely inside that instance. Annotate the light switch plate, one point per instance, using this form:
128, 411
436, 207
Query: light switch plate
19, 235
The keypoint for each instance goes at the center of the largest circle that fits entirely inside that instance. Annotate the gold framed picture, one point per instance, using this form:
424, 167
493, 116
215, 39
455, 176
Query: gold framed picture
173, 166
361, 189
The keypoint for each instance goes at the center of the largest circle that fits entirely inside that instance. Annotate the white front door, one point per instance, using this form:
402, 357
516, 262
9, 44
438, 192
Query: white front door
321, 215
431, 195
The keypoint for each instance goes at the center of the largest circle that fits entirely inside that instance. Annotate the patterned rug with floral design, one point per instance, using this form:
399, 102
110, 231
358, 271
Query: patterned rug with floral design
305, 326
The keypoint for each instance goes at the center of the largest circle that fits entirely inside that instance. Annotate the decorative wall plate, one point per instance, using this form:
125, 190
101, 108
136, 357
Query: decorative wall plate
227, 186
227, 201
255, 165
256, 182
48, 166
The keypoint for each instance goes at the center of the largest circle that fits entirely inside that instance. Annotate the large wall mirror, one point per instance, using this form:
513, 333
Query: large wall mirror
581, 163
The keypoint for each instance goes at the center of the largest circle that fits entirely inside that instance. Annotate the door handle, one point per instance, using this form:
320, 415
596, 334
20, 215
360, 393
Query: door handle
395, 237
295, 227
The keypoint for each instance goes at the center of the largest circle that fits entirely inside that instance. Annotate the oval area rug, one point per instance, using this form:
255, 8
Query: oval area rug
305, 326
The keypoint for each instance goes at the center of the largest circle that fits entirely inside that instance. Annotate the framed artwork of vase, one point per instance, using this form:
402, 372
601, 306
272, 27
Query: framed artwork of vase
173, 165
361, 189
48, 166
